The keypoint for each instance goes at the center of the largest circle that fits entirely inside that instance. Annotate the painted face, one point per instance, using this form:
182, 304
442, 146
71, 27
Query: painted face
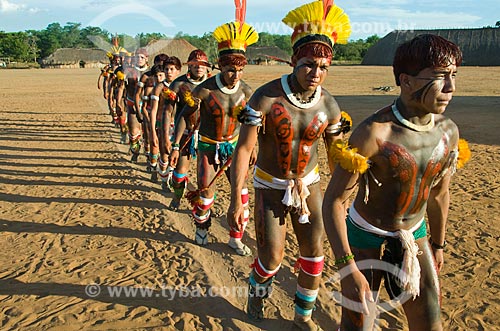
159, 76
171, 72
141, 60
231, 74
432, 88
311, 71
197, 71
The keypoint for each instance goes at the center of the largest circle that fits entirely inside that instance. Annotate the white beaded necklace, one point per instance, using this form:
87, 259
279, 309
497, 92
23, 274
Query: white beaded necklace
296, 101
195, 82
224, 89
410, 125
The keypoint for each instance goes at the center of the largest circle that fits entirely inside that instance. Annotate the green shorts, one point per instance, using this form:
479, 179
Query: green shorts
362, 239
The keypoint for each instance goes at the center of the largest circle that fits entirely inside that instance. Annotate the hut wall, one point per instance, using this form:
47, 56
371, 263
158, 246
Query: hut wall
480, 47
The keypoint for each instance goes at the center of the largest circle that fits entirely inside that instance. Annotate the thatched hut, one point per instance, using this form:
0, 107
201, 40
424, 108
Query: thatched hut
172, 47
75, 58
266, 55
480, 47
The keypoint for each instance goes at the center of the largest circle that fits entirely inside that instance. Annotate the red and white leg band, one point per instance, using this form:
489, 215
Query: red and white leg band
204, 204
260, 270
246, 215
201, 211
312, 266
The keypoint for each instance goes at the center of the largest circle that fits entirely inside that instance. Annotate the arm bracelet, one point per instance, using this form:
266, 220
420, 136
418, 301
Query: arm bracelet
437, 246
344, 259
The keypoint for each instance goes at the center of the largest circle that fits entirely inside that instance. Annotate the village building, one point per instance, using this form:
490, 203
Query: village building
480, 47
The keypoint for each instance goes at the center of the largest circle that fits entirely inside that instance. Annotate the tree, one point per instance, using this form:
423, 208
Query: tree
497, 24
14, 45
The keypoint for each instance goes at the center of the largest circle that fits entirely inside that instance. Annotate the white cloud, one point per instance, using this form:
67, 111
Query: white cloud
7, 6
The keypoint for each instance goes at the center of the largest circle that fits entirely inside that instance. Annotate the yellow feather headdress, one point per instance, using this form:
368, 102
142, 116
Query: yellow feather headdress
235, 37
116, 49
320, 22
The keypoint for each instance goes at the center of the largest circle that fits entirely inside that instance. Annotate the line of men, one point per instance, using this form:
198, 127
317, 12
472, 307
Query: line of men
400, 160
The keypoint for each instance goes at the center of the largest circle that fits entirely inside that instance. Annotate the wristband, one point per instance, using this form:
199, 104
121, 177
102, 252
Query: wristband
344, 259
175, 147
437, 246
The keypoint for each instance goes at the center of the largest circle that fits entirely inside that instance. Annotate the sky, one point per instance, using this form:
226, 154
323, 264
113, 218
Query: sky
196, 17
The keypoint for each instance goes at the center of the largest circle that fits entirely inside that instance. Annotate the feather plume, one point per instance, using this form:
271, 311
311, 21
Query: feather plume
320, 17
348, 158
327, 4
241, 10
464, 153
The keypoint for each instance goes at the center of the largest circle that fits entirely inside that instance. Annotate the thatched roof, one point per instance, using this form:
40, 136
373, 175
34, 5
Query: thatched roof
259, 53
172, 47
480, 47
75, 55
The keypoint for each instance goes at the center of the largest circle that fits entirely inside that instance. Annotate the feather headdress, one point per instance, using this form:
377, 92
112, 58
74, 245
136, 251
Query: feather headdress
234, 37
116, 49
320, 22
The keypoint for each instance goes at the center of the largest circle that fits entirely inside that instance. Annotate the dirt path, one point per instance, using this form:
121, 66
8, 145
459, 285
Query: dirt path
74, 212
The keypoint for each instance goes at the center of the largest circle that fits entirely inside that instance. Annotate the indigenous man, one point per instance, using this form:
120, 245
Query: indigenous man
144, 88
160, 124
118, 93
182, 87
219, 98
288, 117
132, 76
406, 155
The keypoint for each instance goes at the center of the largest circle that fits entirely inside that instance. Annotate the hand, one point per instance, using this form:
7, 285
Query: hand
439, 257
174, 157
253, 158
139, 116
355, 287
235, 216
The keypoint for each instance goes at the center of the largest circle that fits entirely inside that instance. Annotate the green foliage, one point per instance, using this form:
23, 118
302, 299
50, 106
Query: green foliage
354, 50
14, 45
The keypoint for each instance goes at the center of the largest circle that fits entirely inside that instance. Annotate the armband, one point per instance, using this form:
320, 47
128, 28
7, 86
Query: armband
343, 126
464, 153
348, 158
140, 84
250, 116
154, 97
120, 75
344, 259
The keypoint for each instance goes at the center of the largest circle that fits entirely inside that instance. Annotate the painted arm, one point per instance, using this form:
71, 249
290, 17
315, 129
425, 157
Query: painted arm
242, 157
341, 186
437, 214
139, 92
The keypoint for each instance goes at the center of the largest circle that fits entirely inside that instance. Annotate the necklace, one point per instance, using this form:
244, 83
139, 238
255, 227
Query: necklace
312, 101
224, 89
195, 82
410, 125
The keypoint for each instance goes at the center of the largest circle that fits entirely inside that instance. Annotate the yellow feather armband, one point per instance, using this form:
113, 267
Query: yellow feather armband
464, 153
188, 98
169, 94
120, 75
348, 158
237, 109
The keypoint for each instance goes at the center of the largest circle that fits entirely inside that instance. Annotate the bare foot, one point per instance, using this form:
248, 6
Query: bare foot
305, 325
239, 247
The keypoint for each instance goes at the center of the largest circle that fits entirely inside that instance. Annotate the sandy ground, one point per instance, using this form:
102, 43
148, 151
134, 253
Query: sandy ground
75, 214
